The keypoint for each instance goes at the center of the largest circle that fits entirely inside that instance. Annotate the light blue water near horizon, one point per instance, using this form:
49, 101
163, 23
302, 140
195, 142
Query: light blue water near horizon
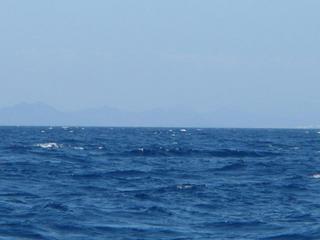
159, 183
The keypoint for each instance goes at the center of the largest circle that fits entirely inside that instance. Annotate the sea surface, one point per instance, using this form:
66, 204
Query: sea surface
159, 183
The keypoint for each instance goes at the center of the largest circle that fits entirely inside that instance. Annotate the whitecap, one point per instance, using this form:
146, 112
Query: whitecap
78, 148
48, 145
184, 186
100, 148
43, 131
317, 175
183, 130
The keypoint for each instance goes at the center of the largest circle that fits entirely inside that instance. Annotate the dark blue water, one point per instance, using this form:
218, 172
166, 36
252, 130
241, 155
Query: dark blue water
148, 183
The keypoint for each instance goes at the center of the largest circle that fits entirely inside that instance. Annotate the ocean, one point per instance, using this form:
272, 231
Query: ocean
159, 183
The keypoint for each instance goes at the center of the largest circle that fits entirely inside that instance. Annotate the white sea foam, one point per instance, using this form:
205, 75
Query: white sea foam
48, 145
78, 148
183, 130
100, 148
184, 186
317, 175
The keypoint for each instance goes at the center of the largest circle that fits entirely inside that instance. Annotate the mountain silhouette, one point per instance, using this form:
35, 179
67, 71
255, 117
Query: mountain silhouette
40, 114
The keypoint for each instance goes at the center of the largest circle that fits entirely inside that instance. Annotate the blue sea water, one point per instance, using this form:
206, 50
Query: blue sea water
159, 183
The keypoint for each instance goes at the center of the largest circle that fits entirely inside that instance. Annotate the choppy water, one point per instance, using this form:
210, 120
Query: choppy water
149, 183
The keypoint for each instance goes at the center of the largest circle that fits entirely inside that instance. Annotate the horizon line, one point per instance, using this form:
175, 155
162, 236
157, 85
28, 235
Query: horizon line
166, 127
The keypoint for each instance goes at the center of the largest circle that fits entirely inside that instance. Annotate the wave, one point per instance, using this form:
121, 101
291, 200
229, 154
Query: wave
20, 232
181, 187
131, 183
57, 206
232, 166
156, 211
119, 173
317, 175
151, 151
52, 145
167, 152
78, 148
233, 224
18, 148
290, 236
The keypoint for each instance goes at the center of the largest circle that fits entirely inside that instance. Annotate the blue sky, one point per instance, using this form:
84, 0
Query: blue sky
259, 56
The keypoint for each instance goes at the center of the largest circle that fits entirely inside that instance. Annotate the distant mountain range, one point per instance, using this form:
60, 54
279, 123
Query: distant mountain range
40, 114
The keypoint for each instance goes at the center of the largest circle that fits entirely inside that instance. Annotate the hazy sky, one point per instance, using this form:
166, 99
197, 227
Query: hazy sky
262, 56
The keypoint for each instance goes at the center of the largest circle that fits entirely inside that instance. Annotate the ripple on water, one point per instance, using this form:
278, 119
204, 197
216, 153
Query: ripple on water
141, 183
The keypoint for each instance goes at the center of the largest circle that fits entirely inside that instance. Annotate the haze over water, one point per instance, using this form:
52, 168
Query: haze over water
254, 61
